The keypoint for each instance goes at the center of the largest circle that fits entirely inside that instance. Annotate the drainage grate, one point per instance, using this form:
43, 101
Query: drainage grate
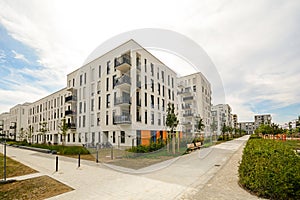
217, 165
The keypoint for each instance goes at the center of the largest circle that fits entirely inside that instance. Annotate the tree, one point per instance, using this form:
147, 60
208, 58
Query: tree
200, 125
43, 130
22, 134
172, 122
224, 130
63, 127
29, 133
213, 127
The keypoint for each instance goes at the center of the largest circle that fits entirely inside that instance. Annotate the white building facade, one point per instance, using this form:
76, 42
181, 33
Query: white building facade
194, 102
221, 116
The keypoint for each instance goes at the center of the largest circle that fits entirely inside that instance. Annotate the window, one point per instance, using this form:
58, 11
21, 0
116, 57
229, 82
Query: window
80, 80
194, 88
84, 107
80, 107
157, 73
122, 137
158, 88
169, 93
108, 67
84, 91
146, 117
158, 103
98, 119
99, 71
152, 85
152, 118
152, 69
107, 100
145, 99
99, 103
106, 120
73, 137
168, 80
145, 82
145, 62
163, 76
92, 119
152, 101
163, 90
114, 81
107, 84
79, 122
114, 137
163, 104
172, 82
92, 104
84, 78
83, 121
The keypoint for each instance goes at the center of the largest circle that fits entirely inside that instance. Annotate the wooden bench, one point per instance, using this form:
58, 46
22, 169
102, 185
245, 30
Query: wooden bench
191, 147
198, 145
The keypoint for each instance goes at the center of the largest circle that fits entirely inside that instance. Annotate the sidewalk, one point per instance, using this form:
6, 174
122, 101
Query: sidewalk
224, 185
193, 176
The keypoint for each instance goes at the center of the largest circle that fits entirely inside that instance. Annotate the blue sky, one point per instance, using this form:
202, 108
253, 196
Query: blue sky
255, 46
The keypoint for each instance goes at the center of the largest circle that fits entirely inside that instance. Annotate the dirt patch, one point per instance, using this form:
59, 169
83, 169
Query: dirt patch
36, 188
14, 168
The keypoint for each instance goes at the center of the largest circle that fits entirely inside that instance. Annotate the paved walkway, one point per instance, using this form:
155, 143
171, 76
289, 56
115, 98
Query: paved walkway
210, 173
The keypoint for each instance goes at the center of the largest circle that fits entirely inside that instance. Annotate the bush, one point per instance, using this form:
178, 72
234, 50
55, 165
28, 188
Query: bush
270, 169
154, 146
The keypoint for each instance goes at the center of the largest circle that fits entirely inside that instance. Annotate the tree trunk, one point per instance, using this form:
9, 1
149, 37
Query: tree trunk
173, 143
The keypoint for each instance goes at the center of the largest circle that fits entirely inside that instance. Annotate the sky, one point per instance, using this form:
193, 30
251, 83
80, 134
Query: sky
255, 46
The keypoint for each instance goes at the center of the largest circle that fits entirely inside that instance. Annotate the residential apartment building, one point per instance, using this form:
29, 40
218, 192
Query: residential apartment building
262, 119
14, 121
47, 113
235, 121
122, 97
194, 102
221, 116
249, 127
119, 98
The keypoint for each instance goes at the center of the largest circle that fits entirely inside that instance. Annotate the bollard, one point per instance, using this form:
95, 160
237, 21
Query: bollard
97, 154
4, 162
79, 160
112, 153
56, 166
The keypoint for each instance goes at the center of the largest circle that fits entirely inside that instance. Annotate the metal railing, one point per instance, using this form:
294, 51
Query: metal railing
122, 60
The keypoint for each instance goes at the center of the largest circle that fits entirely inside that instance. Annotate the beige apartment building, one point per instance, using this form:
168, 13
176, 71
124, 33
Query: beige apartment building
120, 98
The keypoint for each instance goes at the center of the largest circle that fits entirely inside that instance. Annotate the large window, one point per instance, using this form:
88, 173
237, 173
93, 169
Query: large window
122, 137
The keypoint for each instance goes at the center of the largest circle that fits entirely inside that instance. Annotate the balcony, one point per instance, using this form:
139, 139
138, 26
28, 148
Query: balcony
122, 100
69, 112
70, 99
188, 98
185, 91
71, 125
122, 119
123, 63
188, 115
124, 82
13, 127
187, 106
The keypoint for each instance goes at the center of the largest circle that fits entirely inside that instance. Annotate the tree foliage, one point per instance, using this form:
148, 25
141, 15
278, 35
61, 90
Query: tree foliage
63, 127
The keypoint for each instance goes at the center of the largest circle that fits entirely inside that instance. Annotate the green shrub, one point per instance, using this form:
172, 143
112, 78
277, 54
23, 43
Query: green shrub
270, 169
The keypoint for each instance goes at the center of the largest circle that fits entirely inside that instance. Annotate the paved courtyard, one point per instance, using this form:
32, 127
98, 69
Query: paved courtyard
209, 173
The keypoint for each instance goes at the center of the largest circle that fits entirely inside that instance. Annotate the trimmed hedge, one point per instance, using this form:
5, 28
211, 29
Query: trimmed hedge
270, 169
62, 150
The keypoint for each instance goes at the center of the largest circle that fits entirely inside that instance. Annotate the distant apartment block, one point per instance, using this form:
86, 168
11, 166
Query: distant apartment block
249, 127
121, 98
194, 102
262, 119
221, 116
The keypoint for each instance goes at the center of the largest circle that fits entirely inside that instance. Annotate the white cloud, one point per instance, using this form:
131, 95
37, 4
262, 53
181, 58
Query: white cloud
2, 56
254, 44
19, 56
